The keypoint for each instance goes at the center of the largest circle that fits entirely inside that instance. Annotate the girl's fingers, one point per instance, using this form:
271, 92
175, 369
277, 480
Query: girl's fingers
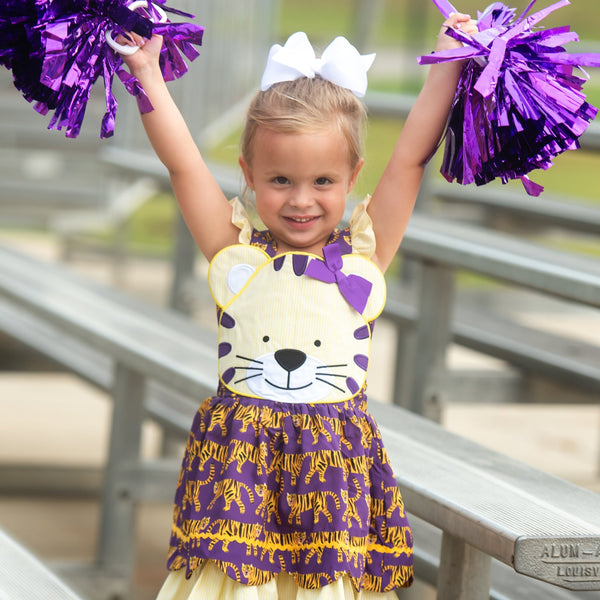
461, 21
456, 20
132, 39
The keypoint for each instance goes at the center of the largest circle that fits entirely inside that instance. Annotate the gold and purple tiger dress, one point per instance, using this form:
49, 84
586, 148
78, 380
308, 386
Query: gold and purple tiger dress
285, 486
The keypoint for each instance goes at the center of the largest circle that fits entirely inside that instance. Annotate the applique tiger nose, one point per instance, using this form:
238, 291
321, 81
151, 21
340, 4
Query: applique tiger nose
290, 359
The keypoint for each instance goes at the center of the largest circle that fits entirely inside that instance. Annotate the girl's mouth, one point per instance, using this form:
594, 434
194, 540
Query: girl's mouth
301, 220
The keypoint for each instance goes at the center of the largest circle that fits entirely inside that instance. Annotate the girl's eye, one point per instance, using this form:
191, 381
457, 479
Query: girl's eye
322, 181
280, 180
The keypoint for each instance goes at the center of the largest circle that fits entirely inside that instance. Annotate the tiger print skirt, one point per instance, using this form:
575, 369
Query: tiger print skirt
304, 489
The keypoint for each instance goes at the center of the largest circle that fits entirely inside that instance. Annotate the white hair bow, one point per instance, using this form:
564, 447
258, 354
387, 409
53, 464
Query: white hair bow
340, 63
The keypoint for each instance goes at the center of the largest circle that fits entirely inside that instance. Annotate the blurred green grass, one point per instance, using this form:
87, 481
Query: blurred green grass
410, 22
410, 27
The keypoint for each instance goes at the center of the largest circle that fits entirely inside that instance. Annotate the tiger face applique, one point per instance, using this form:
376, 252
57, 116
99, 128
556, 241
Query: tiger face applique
287, 331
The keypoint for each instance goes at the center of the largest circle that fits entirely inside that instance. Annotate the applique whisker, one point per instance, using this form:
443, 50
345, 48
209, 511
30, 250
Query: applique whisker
250, 377
331, 384
248, 359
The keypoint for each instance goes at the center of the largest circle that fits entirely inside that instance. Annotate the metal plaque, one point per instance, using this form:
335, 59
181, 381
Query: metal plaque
572, 563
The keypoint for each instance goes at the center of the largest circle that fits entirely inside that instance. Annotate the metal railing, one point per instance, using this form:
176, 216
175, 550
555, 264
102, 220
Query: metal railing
485, 504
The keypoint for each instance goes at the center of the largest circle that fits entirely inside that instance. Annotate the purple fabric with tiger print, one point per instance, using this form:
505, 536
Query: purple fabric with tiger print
301, 485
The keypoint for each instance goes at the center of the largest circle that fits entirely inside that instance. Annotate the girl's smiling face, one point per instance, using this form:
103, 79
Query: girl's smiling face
300, 182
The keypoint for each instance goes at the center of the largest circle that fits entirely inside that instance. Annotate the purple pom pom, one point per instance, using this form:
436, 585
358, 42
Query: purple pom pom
57, 50
518, 103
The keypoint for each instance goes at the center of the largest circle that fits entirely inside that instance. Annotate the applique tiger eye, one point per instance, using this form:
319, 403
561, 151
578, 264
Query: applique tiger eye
266, 338
317, 343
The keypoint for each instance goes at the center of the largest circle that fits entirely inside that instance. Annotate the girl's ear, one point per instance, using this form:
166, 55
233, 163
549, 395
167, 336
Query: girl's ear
354, 175
247, 170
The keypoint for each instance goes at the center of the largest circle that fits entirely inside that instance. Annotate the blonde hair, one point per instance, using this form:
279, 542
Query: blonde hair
306, 105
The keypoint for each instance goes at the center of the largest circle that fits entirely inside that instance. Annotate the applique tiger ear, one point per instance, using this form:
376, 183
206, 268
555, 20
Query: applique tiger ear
359, 265
231, 269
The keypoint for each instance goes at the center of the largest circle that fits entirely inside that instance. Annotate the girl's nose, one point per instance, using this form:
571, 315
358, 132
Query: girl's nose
301, 197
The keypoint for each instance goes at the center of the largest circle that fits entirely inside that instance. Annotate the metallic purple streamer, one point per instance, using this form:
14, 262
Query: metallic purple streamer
56, 50
444, 7
526, 11
518, 103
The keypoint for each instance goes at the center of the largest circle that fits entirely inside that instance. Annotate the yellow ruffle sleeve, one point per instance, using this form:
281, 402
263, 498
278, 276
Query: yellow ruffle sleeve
361, 230
241, 220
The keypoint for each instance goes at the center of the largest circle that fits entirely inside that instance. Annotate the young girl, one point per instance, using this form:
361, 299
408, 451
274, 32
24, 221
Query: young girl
286, 490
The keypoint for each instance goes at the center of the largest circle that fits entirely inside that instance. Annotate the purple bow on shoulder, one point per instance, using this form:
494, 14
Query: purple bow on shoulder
354, 288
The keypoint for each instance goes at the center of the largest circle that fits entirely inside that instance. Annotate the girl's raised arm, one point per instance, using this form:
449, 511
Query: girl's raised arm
202, 203
394, 197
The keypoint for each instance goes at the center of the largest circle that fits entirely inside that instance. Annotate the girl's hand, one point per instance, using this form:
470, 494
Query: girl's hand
456, 21
147, 55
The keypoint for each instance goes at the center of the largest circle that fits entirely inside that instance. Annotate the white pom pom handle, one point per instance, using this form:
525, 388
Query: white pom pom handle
126, 48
